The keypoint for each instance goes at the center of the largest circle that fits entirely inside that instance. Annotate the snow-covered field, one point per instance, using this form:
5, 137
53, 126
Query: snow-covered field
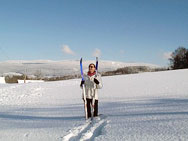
146, 106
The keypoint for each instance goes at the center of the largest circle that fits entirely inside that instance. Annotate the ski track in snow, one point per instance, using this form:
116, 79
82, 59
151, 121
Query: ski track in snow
88, 131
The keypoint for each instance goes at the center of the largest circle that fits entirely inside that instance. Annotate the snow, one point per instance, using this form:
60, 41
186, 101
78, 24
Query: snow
146, 106
11, 74
2, 80
30, 81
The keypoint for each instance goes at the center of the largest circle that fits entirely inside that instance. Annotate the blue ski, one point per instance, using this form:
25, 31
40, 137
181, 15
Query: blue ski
93, 99
83, 89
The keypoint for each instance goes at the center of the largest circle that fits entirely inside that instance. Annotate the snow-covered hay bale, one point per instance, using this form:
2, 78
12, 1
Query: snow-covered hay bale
12, 77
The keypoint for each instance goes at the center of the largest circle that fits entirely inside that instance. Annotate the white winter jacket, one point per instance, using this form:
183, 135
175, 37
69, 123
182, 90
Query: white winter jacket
91, 88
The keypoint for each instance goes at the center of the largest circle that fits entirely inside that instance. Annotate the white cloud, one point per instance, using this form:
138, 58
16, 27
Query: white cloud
122, 52
66, 49
97, 52
167, 55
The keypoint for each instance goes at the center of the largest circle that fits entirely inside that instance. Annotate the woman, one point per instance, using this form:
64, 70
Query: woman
92, 83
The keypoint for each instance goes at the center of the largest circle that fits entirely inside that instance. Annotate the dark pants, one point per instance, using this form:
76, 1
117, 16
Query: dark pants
89, 107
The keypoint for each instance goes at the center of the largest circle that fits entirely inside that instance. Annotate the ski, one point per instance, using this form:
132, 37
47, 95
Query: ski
93, 100
96, 65
83, 89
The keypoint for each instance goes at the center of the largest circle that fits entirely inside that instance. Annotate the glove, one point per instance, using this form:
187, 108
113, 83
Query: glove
82, 82
96, 81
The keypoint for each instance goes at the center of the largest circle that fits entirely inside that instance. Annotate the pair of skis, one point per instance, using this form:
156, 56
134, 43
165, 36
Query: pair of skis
83, 89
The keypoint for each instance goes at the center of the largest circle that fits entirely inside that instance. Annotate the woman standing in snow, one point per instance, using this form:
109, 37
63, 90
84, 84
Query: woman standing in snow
92, 83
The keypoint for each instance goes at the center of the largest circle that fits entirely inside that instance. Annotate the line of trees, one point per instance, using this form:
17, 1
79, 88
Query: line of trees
179, 58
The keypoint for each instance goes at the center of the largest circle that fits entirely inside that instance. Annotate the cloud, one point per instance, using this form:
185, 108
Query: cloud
66, 49
167, 55
97, 52
122, 52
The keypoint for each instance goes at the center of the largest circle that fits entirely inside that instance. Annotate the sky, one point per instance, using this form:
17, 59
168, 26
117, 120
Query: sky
145, 31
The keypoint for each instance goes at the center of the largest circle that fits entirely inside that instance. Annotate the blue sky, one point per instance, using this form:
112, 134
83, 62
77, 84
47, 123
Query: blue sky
120, 30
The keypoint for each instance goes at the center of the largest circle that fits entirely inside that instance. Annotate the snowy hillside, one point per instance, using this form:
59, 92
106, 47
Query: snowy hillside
59, 68
147, 106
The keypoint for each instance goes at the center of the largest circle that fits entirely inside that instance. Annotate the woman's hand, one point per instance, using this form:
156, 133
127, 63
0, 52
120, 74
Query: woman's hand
82, 82
96, 81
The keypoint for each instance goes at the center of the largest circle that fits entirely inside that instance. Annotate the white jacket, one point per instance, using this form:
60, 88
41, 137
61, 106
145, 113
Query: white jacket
91, 88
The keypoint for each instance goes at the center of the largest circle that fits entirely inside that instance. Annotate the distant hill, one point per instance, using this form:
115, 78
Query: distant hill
66, 69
